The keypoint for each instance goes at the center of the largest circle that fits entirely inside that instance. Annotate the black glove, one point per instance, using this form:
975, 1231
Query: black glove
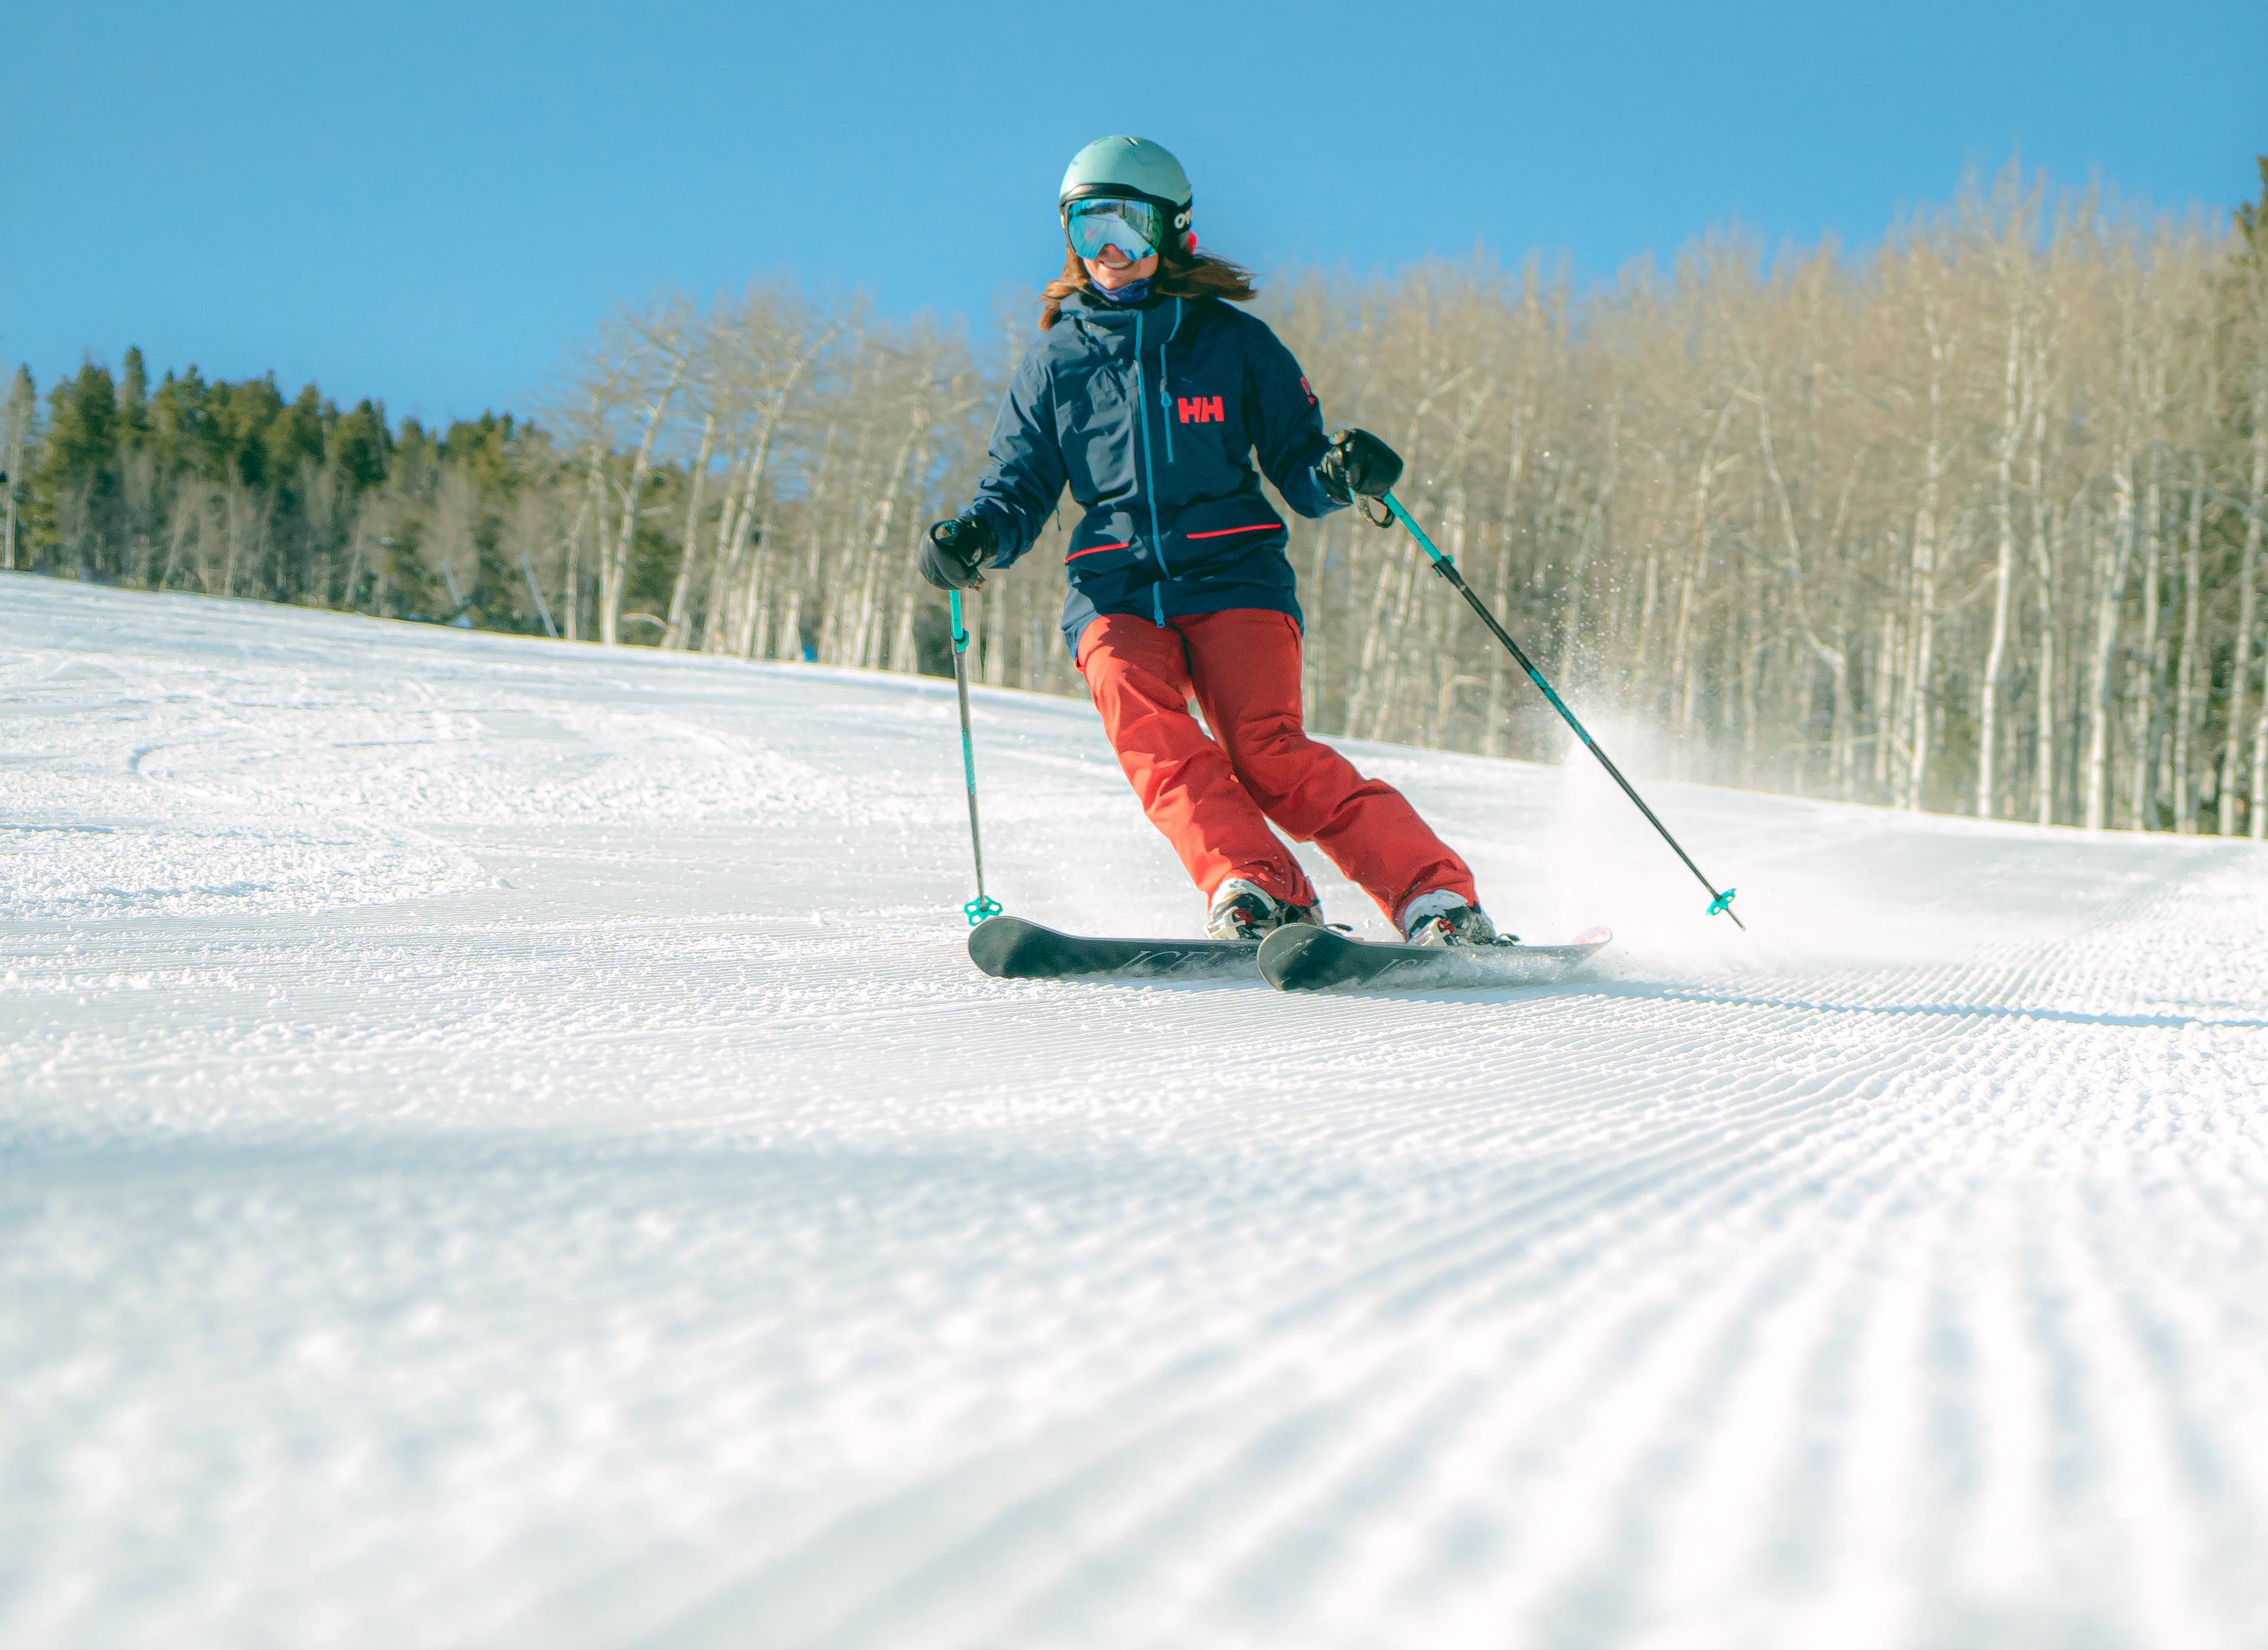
1358, 462
954, 549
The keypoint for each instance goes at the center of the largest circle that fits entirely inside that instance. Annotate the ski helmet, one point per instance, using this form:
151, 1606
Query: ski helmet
1130, 169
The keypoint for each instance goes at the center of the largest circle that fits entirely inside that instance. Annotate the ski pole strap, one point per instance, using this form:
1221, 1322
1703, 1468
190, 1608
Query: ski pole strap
1448, 569
960, 630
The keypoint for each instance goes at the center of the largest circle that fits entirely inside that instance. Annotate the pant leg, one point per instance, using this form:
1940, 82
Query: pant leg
1245, 666
1138, 673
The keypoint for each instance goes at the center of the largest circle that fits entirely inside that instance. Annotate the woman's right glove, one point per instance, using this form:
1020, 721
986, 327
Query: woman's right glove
954, 549
1358, 462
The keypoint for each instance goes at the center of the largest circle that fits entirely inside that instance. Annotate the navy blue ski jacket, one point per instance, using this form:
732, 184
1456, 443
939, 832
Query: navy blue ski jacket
1152, 413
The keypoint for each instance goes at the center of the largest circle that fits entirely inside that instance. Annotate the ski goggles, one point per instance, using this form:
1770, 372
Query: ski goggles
1135, 227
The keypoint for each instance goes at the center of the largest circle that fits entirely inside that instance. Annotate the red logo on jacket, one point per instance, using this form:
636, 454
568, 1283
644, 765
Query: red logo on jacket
1201, 409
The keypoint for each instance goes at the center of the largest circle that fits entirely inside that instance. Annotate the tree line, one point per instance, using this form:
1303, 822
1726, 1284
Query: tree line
1971, 522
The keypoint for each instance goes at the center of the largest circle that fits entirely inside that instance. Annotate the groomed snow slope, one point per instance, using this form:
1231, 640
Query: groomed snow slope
501, 1145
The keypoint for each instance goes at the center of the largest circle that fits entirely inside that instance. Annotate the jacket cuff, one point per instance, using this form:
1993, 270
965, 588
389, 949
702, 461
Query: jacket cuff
1004, 531
1315, 501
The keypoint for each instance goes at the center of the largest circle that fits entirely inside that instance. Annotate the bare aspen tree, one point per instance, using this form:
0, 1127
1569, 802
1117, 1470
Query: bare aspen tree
588, 410
771, 339
2014, 265
2185, 796
1974, 523
1791, 592
2247, 589
1921, 623
2114, 556
2250, 282
641, 364
674, 625
2146, 669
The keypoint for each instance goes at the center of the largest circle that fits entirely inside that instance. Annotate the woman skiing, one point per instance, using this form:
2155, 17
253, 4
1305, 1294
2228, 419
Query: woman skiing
1149, 396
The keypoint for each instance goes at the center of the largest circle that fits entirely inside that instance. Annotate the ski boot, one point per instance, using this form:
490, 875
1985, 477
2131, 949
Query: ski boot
1245, 911
1442, 918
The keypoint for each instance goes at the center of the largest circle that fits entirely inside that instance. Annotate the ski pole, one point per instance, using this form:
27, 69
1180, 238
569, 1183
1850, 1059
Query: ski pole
979, 908
1448, 569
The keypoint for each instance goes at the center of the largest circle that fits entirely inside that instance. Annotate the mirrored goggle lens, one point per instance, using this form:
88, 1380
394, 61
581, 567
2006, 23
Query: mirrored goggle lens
1135, 227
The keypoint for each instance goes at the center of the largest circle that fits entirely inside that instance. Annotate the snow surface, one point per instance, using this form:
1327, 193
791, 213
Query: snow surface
500, 1145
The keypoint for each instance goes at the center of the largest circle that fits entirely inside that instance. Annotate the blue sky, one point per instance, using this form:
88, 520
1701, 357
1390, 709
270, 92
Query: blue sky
427, 202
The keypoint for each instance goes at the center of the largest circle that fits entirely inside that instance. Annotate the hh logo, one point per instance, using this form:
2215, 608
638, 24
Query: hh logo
1201, 409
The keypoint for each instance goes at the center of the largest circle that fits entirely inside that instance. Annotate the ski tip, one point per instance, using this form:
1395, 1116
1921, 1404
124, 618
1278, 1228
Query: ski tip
1595, 937
993, 943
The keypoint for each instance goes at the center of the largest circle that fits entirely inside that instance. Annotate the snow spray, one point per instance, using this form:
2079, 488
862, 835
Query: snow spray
1448, 569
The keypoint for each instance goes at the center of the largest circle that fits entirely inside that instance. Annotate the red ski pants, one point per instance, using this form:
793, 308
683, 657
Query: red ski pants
1213, 797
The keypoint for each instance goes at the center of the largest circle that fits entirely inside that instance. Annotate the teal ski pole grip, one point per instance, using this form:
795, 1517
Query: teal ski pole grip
1448, 569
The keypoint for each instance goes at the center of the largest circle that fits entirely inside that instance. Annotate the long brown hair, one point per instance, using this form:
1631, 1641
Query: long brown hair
1181, 274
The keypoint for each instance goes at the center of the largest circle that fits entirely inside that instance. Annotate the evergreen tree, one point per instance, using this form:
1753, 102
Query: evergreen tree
133, 399
75, 489
360, 445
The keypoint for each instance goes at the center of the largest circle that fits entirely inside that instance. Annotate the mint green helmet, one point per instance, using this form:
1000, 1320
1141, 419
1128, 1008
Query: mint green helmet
1130, 168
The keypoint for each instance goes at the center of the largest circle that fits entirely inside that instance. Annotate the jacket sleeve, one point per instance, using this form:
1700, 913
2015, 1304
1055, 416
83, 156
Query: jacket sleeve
1024, 470
1287, 424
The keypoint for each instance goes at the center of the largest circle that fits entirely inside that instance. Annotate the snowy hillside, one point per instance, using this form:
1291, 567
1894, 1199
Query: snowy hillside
500, 1145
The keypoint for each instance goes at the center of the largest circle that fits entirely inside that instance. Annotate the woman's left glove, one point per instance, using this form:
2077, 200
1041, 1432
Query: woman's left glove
954, 549
1358, 462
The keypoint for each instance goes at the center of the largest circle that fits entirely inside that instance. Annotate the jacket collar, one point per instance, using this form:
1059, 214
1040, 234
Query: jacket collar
1150, 325
1096, 312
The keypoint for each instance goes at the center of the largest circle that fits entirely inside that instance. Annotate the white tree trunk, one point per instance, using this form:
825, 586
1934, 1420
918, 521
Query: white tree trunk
715, 616
1492, 738
614, 573
2148, 676
747, 544
2043, 564
2111, 560
995, 637
1922, 633
2185, 692
751, 542
2247, 608
2257, 825
1923, 620
2015, 413
675, 629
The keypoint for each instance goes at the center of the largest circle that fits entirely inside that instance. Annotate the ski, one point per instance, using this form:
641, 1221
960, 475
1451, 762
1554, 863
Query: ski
1304, 959
1009, 948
